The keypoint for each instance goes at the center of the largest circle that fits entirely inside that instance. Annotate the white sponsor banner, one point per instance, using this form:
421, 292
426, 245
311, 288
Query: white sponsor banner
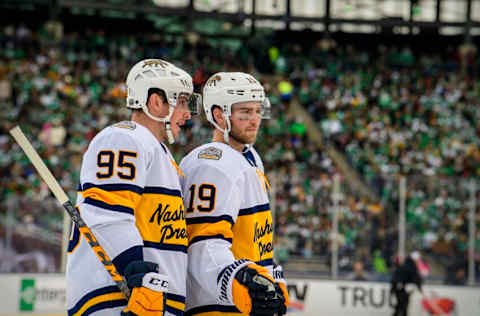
45, 294
326, 298
32, 294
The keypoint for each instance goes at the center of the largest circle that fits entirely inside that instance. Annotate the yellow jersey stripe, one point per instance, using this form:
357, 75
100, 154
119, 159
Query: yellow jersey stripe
128, 199
210, 229
175, 304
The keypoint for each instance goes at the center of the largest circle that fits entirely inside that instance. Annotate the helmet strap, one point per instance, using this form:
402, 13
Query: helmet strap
168, 129
226, 131
165, 120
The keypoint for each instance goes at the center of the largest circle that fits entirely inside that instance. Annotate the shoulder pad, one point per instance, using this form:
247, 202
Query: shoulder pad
210, 153
126, 124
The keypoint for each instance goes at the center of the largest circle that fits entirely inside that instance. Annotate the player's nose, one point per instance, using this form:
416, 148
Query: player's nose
254, 124
187, 115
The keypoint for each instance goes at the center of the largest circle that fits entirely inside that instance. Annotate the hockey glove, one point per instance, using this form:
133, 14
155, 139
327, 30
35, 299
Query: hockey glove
255, 293
148, 289
280, 281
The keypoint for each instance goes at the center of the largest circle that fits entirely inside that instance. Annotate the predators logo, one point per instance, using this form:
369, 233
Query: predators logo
213, 81
252, 80
154, 62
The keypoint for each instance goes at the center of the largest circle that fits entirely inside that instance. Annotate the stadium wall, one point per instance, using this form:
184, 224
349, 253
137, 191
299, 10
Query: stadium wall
321, 298
44, 294
40, 294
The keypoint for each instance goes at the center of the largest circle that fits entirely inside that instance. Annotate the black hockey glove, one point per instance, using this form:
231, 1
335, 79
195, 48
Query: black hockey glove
256, 293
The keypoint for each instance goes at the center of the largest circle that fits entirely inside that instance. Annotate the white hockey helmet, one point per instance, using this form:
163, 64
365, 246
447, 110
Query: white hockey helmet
157, 73
225, 89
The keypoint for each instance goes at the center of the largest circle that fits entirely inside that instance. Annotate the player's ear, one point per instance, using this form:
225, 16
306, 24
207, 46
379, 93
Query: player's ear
157, 105
218, 116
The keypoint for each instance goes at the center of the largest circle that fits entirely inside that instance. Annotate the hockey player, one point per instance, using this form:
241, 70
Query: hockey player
229, 222
130, 197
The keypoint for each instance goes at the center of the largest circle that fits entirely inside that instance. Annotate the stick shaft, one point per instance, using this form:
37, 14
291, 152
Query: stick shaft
62, 197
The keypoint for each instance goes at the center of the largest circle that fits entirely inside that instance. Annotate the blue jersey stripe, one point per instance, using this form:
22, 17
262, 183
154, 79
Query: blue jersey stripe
212, 308
250, 158
254, 209
104, 305
209, 219
123, 259
265, 262
162, 246
200, 238
162, 190
101, 204
75, 239
175, 297
173, 310
113, 187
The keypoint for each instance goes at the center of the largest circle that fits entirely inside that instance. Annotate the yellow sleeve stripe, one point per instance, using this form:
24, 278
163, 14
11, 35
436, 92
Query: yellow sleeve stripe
128, 199
222, 228
176, 305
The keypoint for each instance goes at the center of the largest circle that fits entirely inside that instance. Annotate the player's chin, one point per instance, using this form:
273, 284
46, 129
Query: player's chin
250, 139
176, 131
252, 134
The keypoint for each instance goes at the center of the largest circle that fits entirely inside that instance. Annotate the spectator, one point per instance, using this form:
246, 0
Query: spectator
456, 273
359, 273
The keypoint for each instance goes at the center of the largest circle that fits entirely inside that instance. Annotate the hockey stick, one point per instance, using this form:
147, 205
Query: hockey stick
54, 186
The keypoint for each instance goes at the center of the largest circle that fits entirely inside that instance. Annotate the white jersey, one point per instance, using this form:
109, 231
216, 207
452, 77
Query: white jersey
129, 196
228, 220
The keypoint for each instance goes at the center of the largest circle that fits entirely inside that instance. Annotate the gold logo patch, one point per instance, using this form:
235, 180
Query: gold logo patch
154, 63
210, 153
126, 124
213, 81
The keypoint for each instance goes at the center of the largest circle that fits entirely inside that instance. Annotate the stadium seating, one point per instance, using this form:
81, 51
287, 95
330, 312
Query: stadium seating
388, 112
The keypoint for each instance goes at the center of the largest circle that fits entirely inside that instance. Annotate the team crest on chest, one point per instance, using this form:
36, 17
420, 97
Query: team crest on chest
210, 153
126, 124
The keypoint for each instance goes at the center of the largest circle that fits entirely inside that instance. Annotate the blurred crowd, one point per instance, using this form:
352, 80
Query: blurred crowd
394, 112
390, 112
